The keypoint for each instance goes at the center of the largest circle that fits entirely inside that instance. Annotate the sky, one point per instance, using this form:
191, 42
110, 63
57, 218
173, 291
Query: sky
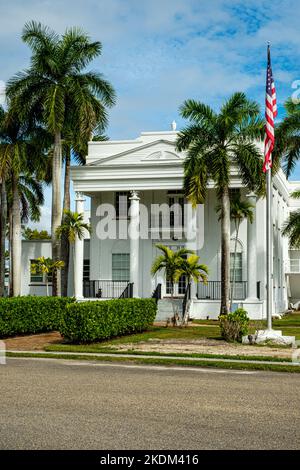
157, 53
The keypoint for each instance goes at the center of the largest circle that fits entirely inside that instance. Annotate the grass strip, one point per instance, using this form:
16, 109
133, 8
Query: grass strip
166, 362
102, 350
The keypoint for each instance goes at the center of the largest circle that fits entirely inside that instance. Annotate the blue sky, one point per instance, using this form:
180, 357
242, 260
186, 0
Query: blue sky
158, 53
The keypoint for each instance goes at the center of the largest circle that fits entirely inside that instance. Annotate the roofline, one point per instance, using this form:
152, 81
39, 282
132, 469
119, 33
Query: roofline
126, 152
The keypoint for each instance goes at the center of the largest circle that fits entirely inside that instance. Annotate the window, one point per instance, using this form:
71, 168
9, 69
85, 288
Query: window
86, 269
120, 267
176, 204
238, 273
234, 192
122, 204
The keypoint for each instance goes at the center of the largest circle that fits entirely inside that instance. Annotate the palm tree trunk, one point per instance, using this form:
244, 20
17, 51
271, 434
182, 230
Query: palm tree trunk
11, 283
187, 305
56, 210
3, 215
173, 304
16, 238
225, 251
65, 247
237, 228
74, 267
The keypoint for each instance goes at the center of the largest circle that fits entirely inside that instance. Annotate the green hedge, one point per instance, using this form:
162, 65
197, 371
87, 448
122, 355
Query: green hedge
85, 322
22, 315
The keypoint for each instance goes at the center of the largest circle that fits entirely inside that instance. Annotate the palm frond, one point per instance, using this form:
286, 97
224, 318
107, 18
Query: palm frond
291, 229
249, 159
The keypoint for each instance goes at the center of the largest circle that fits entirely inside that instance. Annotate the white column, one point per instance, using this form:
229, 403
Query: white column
134, 237
191, 235
78, 252
251, 252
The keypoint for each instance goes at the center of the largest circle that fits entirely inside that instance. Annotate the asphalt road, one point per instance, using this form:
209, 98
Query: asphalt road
61, 404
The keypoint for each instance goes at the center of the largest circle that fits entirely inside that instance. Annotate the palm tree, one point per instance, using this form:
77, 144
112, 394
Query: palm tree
215, 142
3, 219
3, 214
193, 271
287, 141
35, 234
291, 227
72, 227
169, 262
76, 147
46, 266
21, 154
57, 91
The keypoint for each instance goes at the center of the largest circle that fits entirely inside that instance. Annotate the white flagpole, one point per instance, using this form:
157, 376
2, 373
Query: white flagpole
269, 203
269, 334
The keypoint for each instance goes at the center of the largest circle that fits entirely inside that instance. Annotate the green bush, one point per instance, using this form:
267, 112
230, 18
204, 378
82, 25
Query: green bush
234, 325
85, 322
24, 315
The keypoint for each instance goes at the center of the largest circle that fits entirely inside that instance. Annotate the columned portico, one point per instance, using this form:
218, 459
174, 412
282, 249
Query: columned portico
78, 251
151, 168
134, 235
252, 252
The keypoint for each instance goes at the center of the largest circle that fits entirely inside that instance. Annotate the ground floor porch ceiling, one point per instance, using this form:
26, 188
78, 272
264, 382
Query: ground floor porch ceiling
89, 179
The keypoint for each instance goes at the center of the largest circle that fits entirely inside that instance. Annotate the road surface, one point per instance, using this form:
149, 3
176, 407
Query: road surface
63, 404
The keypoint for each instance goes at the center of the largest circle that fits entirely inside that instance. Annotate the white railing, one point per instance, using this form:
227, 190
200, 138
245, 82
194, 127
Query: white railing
293, 265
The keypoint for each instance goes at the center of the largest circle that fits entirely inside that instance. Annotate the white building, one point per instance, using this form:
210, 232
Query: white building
139, 175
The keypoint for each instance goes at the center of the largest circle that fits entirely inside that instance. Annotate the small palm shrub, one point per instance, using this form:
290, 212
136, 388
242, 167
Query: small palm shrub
234, 325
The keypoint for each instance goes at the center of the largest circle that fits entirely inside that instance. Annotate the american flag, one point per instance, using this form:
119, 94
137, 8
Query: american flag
271, 113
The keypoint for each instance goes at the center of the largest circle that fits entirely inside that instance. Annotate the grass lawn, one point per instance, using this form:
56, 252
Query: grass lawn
290, 325
163, 333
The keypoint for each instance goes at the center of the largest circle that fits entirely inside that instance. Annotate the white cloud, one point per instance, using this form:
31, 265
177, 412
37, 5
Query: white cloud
158, 53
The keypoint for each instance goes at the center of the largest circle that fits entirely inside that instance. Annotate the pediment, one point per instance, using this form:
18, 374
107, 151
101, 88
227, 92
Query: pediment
162, 155
160, 151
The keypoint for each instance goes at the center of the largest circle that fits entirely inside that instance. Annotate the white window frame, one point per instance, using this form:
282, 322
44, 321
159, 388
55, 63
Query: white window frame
126, 256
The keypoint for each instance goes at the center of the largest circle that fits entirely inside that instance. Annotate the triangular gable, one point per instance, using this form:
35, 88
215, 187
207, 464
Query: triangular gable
162, 155
159, 154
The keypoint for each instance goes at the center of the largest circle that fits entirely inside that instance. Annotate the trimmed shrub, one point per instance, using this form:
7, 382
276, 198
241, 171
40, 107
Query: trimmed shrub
85, 322
234, 325
25, 315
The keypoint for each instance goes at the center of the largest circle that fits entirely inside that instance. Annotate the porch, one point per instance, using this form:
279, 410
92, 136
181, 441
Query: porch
112, 289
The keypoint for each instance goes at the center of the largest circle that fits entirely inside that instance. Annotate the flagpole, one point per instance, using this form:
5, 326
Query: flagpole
269, 203
261, 336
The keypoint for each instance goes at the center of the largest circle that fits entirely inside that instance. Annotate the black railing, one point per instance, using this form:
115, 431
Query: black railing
104, 289
212, 290
186, 298
127, 292
157, 293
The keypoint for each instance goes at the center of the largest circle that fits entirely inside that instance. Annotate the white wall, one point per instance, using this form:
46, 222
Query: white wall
33, 249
